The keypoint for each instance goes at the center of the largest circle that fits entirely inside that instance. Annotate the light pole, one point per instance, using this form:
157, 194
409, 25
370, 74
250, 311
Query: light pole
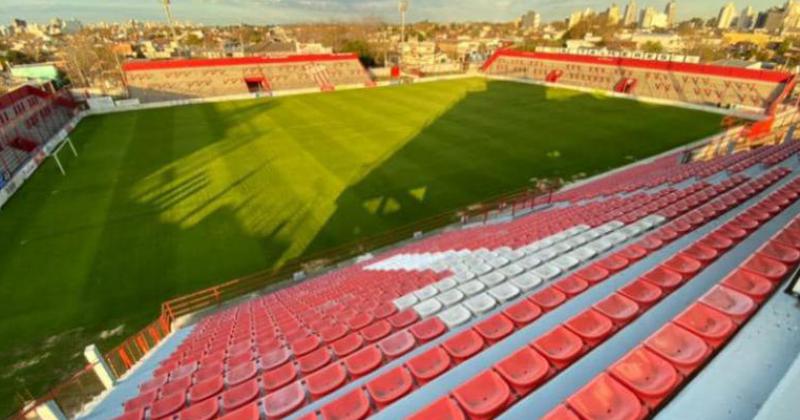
403, 7
168, 12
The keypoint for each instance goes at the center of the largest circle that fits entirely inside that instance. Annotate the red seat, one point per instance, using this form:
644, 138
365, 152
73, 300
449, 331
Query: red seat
789, 237
669, 233
684, 265
359, 321
651, 243
571, 285
363, 361
397, 344
443, 409
633, 252
428, 329
376, 331
591, 326
390, 386
749, 283
241, 373
562, 412
240, 359
642, 292
780, 252
495, 328
548, 298
285, 400
333, 333
683, 349
326, 380
732, 232
525, 369
593, 274
251, 411
167, 406
240, 395
206, 389
648, 375
666, 280
429, 365
178, 385
523, 312
606, 399
209, 371
205, 410
142, 400
153, 384
702, 253
747, 223
352, 406
759, 215
614, 263
620, 309
384, 310
404, 318
717, 241
766, 267
313, 361
280, 376
484, 396
736, 305
274, 358
709, 324
347, 345
560, 346
464, 345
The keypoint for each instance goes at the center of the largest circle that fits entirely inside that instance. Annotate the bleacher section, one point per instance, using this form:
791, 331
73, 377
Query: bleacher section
602, 306
29, 116
153, 81
683, 82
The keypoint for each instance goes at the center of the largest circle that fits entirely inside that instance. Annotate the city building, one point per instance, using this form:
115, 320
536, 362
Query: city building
653, 19
747, 19
672, 13
726, 16
613, 14
531, 21
631, 13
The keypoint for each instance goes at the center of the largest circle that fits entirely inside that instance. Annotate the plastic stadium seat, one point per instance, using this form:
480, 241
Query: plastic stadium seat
523, 312
360, 321
709, 324
240, 395
618, 308
404, 318
240, 359
376, 331
137, 414
571, 285
747, 223
780, 252
561, 412
363, 361
651, 243
614, 263
464, 345
390, 386
179, 385
384, 310
766, 267
209, 371
683, 349
495, 328
442, 409
428, 329
525, 369
751, 284
666, 280
167, 406
736, 305
397, 344
140, 401
593, 274
732, 232
183, 372
285, 400
326, 380
648, 375
205, 410
251, 411
241, 373
548, 298
314, 361
347, 345
560, 346
717, 241
352, 406
669, 233
274, 358
333, 333
484, 396
427, 366
153, 384
278, 377
305, 345
591, 326
606, 399
633, 252
701, 253
789, 237
642, 292
684, 265
206, 389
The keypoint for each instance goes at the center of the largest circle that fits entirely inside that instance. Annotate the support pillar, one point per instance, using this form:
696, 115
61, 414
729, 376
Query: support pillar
99, 365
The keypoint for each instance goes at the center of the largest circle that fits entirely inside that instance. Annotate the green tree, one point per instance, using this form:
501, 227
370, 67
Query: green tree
653, 47
361, 48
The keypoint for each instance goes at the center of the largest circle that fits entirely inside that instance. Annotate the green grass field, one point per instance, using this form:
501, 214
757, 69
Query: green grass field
169, 201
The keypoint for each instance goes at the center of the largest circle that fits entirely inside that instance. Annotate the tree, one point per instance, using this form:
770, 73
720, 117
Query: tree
18, 57
653, 47
361, 48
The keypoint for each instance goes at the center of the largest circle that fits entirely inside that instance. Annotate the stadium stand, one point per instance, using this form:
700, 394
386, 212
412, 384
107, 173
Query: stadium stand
683, 82
637, 280
165, 80
29, 117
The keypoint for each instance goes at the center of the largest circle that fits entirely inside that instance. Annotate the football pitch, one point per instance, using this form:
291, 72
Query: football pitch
167, 201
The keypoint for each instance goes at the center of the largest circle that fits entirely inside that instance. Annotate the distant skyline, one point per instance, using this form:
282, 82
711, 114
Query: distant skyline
287, 11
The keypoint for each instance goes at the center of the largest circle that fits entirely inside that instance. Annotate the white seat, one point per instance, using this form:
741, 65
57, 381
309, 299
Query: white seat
600, 245
546, 254
631, 230
527, 281
472, 287
531, 248
511, 270
617, 237
504, 292
492, 279
583, 253
565, 262
575, 241
546, 242
560, 236
589, 235
498, 261
426, 292
406, 301
455, 316
480, 303
530, 262
428, 307
511, 255
445, 284
481, 269
547, 271
464, 276
561, 247
450, 297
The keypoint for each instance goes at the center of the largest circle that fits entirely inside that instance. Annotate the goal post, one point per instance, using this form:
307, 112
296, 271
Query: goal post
67, 142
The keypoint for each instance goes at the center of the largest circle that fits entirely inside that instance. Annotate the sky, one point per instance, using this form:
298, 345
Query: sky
288, 11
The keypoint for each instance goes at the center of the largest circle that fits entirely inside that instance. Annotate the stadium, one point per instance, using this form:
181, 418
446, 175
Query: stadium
556, 236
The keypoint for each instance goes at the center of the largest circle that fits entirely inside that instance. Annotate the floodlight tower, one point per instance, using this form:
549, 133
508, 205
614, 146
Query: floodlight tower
403, 7
168, 12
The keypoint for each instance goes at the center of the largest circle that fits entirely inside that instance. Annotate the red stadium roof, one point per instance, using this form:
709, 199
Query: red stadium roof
217, 62
704, 69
